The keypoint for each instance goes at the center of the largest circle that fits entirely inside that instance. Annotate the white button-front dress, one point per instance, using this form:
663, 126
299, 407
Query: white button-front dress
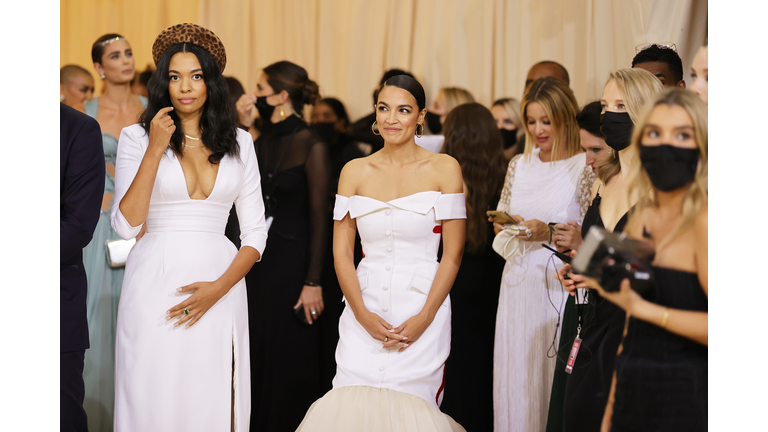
400, 240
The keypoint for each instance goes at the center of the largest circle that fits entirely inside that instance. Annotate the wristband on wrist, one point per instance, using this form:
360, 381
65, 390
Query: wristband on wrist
310, 283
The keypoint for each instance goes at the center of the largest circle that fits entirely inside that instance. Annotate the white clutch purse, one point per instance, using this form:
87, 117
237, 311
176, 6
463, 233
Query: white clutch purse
117, 251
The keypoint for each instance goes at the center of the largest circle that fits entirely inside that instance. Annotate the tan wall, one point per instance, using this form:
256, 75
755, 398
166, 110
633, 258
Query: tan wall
485, 46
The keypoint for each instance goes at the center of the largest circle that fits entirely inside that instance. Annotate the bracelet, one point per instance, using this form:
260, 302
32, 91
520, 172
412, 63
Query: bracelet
664, 318
313, 284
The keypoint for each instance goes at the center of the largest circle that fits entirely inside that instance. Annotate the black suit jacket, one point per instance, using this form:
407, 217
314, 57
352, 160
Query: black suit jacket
81, 184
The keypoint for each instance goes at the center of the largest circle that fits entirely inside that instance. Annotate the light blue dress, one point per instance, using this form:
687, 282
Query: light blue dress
104, 284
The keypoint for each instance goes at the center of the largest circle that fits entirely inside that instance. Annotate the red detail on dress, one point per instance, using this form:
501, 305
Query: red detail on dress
437, 229
363, 253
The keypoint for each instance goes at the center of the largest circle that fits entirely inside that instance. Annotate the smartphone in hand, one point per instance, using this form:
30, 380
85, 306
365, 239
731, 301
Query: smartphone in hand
501, 217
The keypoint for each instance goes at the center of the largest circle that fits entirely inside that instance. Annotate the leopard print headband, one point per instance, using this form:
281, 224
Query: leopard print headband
190, 33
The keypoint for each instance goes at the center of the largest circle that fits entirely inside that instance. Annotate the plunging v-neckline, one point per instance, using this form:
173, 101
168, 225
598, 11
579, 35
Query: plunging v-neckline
184, 176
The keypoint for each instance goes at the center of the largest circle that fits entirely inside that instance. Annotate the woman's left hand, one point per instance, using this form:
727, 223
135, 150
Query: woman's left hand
411, 330
625, 298
204, 296
539, 231
312, 299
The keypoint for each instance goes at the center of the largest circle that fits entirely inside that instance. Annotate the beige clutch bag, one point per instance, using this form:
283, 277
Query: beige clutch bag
117, 251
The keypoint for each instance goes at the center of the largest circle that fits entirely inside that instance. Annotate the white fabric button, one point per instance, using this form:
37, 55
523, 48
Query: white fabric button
388, 232
386, 288
389, 248
388, 267
385, 309
388, 212
381, 368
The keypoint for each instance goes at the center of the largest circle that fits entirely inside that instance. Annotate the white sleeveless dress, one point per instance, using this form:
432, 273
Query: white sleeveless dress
377, 389
531, 298
170, 378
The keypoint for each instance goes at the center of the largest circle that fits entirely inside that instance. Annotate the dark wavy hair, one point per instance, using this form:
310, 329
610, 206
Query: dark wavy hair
218, 121
471, 136
294, 79
97, 50
409, 84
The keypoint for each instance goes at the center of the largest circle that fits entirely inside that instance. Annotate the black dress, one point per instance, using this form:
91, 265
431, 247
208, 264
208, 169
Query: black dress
578, 400
468, 394
661, 378
285, 370
342, 149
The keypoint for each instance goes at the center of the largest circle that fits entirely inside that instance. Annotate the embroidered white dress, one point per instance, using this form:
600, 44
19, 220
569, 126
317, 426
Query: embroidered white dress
530, 296
376, 388
174, 378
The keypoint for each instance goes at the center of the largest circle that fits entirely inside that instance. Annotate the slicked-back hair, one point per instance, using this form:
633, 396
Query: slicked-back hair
408, 84
218, 122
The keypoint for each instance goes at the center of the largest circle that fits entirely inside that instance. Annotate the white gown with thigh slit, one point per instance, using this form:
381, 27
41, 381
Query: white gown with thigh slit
174, 378
378, 389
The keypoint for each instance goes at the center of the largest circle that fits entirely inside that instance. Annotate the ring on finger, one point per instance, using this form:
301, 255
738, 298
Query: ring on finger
386, 339
314, 313
186, 311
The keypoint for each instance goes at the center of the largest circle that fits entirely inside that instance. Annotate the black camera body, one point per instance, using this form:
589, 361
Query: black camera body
610, 257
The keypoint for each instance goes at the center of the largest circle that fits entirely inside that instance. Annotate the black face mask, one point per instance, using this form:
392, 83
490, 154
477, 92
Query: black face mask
617, 128
265, 110
669, 167
327, 131
508, 137
433, 123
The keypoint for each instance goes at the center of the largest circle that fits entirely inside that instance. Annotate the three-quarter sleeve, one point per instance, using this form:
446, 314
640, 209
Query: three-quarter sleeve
318, 169
131, 147
249, 203
451, 206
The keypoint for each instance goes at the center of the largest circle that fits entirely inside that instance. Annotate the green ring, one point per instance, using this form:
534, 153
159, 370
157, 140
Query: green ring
186, 311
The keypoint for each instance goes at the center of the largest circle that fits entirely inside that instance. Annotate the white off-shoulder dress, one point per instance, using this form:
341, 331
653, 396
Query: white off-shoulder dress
378, 389
174, 378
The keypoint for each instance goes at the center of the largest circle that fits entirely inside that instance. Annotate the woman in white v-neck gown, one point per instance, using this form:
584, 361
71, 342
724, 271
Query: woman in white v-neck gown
196, 376
395, 331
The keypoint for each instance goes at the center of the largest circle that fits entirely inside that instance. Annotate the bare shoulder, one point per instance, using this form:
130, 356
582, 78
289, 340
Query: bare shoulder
700, 224
448, 172
352, 175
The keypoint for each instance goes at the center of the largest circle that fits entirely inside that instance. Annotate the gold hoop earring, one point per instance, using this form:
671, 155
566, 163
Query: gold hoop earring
419, 134
374, 129
282, 112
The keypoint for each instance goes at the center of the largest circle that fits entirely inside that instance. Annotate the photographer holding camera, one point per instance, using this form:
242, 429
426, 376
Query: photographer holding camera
660, 379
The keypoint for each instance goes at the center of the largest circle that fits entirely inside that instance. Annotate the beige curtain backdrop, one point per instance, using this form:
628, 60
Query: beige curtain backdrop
485, 46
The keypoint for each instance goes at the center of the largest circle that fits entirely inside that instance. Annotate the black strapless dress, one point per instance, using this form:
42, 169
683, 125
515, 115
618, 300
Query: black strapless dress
661, 378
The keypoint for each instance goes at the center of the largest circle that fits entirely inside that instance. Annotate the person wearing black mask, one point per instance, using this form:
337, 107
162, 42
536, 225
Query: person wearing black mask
295, 177
361, 129
585, 389
660, 379
506, 112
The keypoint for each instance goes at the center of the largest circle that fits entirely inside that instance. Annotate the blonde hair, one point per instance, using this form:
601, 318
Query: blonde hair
640, 183
637, 86
560, 105
455, 96
512, 106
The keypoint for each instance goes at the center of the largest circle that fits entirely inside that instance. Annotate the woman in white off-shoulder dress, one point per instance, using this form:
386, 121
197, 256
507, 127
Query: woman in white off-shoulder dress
395, 331
190, 374
549, 182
